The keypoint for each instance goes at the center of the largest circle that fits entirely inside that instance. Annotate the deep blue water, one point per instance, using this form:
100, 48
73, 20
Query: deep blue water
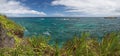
64, 28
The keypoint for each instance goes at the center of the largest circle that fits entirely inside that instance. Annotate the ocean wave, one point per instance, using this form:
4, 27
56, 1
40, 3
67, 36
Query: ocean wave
46, 33
66, 19
42, 19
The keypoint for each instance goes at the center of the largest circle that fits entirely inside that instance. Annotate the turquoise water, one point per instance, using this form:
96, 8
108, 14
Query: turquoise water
64, 28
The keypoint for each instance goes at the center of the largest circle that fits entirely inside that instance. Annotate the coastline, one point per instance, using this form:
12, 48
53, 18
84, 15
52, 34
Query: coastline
38, 45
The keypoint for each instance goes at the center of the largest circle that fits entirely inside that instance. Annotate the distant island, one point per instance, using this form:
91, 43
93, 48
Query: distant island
110, 17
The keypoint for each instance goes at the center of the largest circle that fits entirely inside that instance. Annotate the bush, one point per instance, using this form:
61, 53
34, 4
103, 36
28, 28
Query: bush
78, 46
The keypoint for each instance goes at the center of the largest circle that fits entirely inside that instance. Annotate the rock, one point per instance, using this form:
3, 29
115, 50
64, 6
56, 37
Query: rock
10, 32
5, 40
19, 33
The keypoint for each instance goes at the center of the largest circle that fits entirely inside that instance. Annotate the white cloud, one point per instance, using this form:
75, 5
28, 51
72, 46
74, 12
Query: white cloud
15, 8
91, 7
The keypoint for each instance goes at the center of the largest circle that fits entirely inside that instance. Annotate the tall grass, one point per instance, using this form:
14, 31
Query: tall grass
86, 46
78, 46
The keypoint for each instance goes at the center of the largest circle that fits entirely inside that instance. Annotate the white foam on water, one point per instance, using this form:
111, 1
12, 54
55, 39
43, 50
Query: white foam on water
42, 19
66, 19
46, 33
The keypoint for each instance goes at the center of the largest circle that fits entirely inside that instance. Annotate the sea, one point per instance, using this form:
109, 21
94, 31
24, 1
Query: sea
62, 29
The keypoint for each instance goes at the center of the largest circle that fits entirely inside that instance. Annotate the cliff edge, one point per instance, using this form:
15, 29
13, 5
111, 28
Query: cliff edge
10, 32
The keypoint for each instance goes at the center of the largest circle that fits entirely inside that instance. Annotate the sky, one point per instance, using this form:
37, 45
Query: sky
60, 8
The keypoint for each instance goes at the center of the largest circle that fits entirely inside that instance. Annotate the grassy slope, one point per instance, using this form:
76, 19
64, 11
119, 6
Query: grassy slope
11, 27
78, 46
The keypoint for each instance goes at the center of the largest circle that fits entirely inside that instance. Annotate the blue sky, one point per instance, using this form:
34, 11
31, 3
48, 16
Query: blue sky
59, 8
45, 6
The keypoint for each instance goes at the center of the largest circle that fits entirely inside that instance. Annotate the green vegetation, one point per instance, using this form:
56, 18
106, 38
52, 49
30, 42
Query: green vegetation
9, 25
85, 46
78, 46
29, 47
12, 29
